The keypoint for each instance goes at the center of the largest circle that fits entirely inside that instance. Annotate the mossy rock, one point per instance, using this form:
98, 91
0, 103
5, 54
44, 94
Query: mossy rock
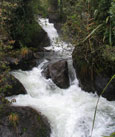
34, 36
11, 86
23, 122
109, 53
94, 69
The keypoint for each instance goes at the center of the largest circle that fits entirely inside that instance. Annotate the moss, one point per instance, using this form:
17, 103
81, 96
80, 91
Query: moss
101, 60
109, 53
94, 69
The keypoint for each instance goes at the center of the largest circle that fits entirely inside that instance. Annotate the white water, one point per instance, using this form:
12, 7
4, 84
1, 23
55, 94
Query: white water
69, 111
57, 44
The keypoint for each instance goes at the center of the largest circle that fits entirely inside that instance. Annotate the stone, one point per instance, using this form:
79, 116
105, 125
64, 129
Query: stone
100, 83
23, 122
24, 62
94, 77
39, 40
14, 86
58, 72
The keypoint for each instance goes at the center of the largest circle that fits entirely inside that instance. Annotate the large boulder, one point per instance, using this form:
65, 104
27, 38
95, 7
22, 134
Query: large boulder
11, 86
39, 40
22, 122
33, 36
58, 72
94, 70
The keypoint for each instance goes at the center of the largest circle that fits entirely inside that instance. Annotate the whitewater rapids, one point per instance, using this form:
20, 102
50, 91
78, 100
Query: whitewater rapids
69, 111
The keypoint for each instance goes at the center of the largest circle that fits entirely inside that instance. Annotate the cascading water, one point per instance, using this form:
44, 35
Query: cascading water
57, 45
69, 111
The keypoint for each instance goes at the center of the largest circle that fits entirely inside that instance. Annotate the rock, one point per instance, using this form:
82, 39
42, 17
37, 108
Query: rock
58, 72
39, 40
23, 122
11, 61
36, 38
53, 13
54, 17
13, 86
24, 62
58, 27
94, 72
3, 101
27, 61
100, 83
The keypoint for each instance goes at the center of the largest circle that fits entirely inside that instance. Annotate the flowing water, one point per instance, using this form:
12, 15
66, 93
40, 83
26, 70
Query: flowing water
69, 111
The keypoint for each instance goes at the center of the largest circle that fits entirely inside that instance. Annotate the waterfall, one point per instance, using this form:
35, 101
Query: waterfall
69, 111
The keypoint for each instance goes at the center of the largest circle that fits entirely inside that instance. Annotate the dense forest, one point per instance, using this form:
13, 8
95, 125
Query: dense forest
88, 24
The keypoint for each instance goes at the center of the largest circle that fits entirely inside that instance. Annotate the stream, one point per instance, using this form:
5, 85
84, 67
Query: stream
69, 111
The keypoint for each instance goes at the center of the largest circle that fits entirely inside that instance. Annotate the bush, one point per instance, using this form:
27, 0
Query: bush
19, 19
84, 16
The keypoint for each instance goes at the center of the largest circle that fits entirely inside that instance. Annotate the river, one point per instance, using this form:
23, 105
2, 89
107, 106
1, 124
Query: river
69, 111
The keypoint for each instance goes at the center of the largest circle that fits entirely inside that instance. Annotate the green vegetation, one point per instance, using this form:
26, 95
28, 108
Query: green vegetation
90, 22
19, 20
18, 30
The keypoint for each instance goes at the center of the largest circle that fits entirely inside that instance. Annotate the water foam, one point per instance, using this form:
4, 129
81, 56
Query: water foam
69, 111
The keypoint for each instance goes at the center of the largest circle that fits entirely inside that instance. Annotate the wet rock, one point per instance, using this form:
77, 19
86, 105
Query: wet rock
39, 40
58, 27
100, 83
58, 72
94, 72
13, 86
23, 122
